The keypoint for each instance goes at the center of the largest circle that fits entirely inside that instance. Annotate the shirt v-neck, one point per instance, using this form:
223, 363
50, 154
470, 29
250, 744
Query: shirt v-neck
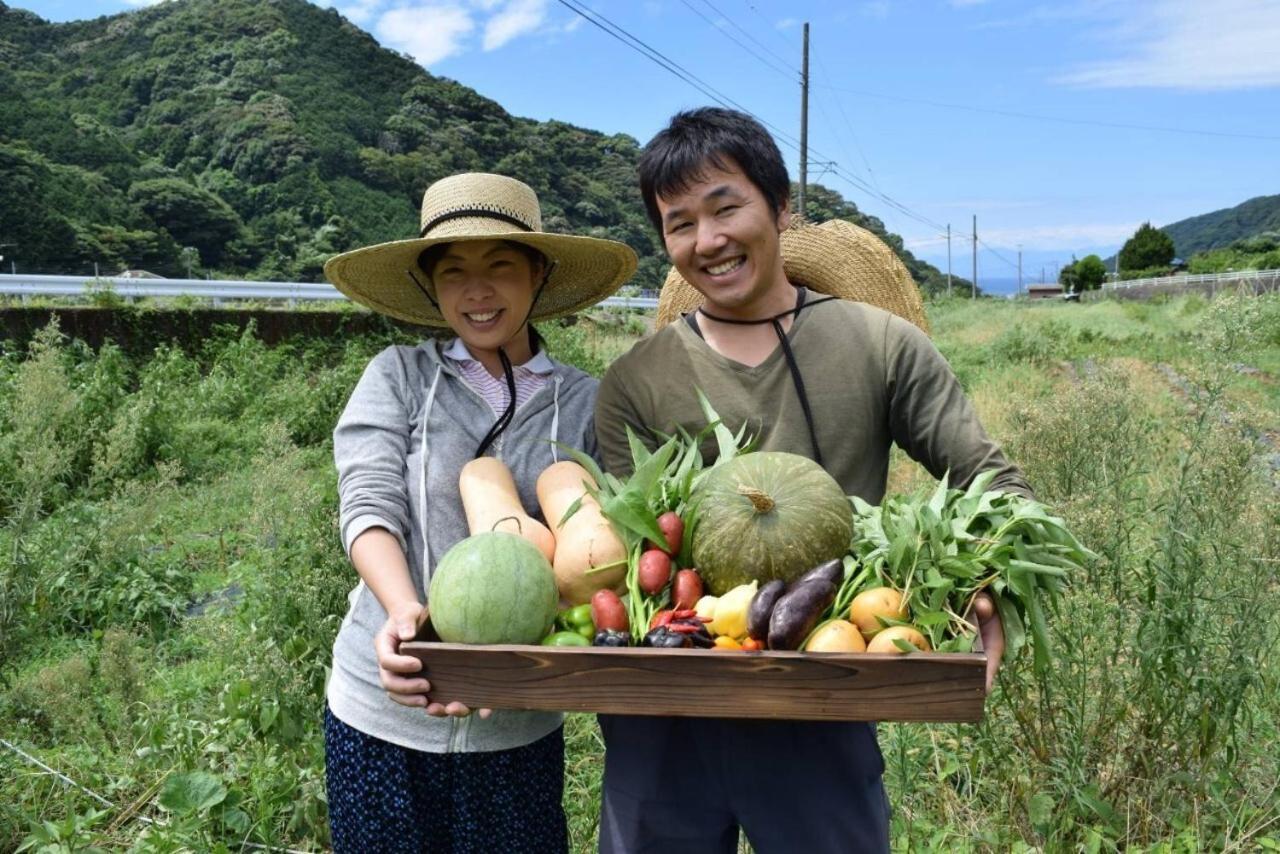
770, 362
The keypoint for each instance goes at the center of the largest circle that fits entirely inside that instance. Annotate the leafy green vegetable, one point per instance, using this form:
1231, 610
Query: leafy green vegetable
943, 549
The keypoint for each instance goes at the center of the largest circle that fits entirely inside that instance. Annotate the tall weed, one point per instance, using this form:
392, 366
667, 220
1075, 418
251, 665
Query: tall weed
1144, 719
41, 435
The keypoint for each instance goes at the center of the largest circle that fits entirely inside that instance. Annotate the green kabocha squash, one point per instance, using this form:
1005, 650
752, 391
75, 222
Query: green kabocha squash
493, 588
768, 515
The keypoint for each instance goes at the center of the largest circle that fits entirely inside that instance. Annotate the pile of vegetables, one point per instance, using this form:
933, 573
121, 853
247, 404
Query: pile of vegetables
762, 550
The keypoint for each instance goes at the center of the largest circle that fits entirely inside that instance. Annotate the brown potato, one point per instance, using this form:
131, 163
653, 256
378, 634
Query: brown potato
836, 636
877, 602
884, 640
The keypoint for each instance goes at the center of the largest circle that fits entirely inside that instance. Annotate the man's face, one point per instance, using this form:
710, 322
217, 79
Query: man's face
722, 237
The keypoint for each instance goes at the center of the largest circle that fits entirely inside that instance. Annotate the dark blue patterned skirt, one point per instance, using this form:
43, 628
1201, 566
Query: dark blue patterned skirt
387, 798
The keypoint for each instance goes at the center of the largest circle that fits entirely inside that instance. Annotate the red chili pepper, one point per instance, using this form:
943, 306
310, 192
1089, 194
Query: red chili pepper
684, 628
662, 618
683, 614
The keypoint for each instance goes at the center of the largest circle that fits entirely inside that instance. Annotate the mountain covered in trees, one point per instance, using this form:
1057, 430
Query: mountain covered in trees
1220, 229
243, 138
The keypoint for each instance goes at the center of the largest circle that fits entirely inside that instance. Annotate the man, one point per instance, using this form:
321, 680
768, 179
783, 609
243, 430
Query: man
834, 380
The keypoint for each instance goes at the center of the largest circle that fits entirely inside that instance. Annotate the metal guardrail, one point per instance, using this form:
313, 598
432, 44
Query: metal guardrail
1264, 279
23, 285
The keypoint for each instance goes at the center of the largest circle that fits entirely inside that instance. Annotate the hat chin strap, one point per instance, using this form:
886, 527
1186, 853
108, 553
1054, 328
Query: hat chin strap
796, 379
508, 414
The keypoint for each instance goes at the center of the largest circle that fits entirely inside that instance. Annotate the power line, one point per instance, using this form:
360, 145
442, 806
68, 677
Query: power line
849, 125
853, 134
997, 254
786, 72
773, 29
1064, 120
761, 44
671, 65
656, 56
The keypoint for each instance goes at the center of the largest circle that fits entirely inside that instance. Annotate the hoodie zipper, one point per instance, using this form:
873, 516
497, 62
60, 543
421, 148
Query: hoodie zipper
458, 734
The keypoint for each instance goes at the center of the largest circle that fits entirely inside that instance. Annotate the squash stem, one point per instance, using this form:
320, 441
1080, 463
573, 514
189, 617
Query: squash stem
759, 500
515, 519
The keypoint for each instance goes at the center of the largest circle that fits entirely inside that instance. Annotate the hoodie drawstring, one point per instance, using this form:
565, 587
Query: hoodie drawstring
422, 484
555, 421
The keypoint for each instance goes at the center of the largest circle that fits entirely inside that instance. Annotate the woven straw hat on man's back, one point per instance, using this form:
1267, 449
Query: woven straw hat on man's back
480, 206
836, 258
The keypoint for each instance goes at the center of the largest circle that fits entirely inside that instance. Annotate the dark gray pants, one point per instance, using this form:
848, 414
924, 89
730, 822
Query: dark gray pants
677, 785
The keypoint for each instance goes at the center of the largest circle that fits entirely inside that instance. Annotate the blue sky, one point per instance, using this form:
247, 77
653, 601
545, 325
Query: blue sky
947, 108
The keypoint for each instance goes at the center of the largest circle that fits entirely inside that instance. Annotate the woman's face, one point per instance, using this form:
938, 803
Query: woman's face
485, 289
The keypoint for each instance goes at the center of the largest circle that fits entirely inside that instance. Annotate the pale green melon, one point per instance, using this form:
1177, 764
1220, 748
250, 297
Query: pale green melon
493, 588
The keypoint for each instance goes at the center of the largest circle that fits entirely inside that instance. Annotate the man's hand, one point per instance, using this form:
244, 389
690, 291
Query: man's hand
396, 670
992, 632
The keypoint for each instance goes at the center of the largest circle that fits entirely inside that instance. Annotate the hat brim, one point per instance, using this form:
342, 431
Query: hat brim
587, 269
836, 258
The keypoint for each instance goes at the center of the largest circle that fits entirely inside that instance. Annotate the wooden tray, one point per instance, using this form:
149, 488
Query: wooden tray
706, 683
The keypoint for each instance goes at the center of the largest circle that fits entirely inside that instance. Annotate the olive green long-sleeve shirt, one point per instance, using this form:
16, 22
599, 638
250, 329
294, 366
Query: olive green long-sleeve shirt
872, 379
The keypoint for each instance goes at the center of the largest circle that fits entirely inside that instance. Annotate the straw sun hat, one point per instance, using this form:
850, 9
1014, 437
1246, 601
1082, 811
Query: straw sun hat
479, 206
836, 258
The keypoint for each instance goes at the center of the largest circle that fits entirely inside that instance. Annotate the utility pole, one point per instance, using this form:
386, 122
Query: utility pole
948, 259
1042, 280
804, 123
1019, 269
975, 257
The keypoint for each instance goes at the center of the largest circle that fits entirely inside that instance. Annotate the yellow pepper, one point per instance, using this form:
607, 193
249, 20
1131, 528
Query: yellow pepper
731, 611
706, 607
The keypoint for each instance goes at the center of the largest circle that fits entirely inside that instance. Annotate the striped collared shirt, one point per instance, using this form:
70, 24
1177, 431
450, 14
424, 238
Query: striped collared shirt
530, 376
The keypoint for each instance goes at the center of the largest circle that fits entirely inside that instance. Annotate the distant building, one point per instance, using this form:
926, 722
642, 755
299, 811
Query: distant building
1044, 291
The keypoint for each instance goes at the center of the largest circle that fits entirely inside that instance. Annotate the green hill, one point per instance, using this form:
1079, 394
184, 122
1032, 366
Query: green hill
255, 139
1222, 228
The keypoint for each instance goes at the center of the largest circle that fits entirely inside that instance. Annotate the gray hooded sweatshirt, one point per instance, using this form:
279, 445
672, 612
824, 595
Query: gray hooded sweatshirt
410, 426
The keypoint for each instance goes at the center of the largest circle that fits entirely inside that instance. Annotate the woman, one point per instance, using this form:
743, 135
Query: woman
405, 770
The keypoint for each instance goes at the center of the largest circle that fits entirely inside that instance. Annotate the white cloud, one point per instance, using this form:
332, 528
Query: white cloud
1189, 44
428, 33
978, 204
516, 19
786, 23
1038, 237
359, 11
574, 23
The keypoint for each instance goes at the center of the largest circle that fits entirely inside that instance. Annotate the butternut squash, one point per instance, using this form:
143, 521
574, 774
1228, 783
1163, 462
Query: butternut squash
492, 503
586, 541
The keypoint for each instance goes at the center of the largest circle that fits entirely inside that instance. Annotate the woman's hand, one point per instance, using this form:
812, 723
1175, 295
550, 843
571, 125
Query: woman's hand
397, 671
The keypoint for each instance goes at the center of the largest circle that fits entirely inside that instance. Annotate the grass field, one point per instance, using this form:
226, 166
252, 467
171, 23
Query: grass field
171, 581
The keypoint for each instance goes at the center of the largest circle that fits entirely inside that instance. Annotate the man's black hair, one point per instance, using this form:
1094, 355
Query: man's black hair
711, 137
